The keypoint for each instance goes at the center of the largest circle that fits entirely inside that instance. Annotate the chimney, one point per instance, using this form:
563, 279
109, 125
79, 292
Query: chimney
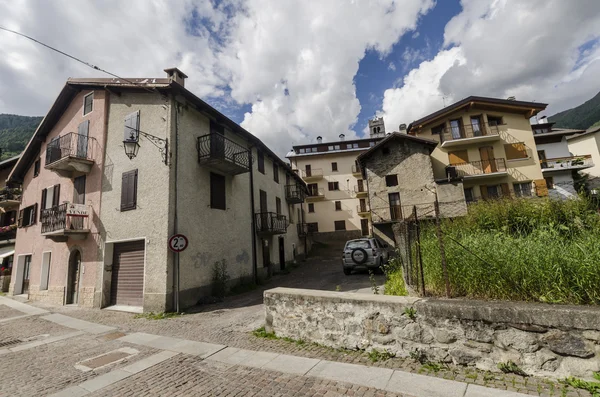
402, 128
319, 139
176, 75
342, 136
511, 98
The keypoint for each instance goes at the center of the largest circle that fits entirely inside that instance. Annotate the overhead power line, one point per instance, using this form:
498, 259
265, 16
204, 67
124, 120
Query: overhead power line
72, 57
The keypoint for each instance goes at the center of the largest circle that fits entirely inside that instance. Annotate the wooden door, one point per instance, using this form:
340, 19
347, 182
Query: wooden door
78, 198
360, 185
26, 272
488, 164
308, 170
395, 208
363, 205
73, 281
364, 227
127, 286
82, 139
281, 253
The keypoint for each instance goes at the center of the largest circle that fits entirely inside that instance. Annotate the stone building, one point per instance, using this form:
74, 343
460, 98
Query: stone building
148, 160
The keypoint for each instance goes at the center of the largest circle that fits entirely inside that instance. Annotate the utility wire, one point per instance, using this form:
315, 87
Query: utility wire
72, 57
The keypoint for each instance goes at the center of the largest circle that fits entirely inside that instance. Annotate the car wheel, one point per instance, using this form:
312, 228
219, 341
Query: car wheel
347, 271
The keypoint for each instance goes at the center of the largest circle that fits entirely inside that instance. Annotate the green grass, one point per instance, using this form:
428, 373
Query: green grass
157, 316
592, 387
262, 333
510, 367
376, 355
527, 250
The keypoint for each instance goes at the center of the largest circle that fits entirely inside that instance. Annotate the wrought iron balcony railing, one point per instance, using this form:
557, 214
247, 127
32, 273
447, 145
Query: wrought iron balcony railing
481, 167
8, 194
469, 131
270, 223
295, 193
8, 232
225, 155
58, 218
565, 163
70, 146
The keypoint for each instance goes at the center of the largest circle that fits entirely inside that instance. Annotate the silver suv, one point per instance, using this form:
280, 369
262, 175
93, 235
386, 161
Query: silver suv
364, 253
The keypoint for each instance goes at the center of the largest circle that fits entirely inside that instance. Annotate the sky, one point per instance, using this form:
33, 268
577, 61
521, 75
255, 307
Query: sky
289, 71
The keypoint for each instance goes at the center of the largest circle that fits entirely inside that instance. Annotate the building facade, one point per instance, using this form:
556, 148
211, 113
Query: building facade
337, 194
487, 142
588, 143
10, 199
559, 166
167, 163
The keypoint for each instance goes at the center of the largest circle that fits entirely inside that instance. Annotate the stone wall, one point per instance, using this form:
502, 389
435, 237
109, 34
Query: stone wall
545, 340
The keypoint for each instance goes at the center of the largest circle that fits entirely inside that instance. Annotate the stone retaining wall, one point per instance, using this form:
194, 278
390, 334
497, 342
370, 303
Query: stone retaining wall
545, 340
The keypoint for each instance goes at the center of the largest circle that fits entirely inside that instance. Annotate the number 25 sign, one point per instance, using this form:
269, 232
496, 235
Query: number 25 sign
178, 242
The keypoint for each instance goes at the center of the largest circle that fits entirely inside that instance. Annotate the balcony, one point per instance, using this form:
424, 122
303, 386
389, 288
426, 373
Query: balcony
315, 195
361, 191
312, 174
362, 210
390, 214
306, 229
478, 169
566, 163
10, 197
468, 134
70, 153
295, 194
66, 220
356, 171
8, 233
222, 154
270, 223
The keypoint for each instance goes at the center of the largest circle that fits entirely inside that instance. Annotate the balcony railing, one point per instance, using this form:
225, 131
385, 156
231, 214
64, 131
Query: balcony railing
360, 190
9, 197
305, 229
356, 169
314, 194
70, 152
393, 213
362, 209
222, 154
8, 232
566, 163
270, 223
313, 173
469, 131
61, 219
478, 168
295, 193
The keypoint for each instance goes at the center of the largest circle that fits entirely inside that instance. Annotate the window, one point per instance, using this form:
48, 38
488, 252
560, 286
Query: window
385, 151
371, 144
88, 102
8, 218
217, 192
314, 150
132, 127
493, 191
216, 128
45, 270
494, 120
261, 162
36, 168
27, 216
330, 148
313, 227
549, 182
275, 172
515, 151
278, 205
338, 205
522, 189
336, 147
50, 197
391, 180
129, 190
311, 207
334, 186
438, 129
334, 167
469, 197
339, 225
301, 150
355, 145
313, 189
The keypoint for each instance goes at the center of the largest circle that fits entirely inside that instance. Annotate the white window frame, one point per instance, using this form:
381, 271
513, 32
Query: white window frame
84, 98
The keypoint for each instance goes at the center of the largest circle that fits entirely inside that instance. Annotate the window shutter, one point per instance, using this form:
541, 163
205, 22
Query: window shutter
84, 128
56, 196
458, 157
515, 151
132, 125
484, 192
505, 190
34, 214
20, 220
44, 191
541, 189
129, 190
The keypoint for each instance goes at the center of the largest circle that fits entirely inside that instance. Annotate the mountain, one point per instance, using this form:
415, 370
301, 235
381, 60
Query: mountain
15, 132
580, 117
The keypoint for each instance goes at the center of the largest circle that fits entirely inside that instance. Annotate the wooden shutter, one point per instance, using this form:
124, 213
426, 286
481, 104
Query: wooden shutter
20, 220
541, 189
515, 151
56, 196
484, 192
458, 157
44, 192
217, 192
132, 125
505, 190
129, 190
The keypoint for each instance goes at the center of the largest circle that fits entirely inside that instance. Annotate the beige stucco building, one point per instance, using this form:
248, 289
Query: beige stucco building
168, 163
489, 143
587, 144
337, 194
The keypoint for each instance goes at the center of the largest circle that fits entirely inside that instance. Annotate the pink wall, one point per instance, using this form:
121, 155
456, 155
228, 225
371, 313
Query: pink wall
29, 239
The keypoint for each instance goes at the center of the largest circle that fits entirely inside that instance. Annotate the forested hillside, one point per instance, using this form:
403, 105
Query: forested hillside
15, 132
580, 117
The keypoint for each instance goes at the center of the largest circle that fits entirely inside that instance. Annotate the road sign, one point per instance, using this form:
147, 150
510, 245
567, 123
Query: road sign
178, 242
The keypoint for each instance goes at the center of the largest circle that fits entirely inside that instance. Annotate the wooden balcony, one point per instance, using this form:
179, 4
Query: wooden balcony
469, 134
66, 221
70, 153
312, 174
222, 154
478, 169
360, 191
566, 163
295, 193
315, 194
270, 223
10, 197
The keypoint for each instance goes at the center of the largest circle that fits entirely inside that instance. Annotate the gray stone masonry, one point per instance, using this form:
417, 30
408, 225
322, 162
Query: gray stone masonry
553, 341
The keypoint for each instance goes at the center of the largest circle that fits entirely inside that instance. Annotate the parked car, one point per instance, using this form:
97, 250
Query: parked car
364, 253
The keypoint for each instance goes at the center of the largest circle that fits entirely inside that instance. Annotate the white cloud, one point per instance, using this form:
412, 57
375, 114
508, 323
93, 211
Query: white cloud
392, 66
529, 49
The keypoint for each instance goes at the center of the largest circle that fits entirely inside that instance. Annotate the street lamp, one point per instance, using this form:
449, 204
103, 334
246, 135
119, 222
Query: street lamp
132, 146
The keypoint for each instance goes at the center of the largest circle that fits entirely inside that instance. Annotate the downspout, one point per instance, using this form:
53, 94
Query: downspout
253, 220
175, 225
364, 175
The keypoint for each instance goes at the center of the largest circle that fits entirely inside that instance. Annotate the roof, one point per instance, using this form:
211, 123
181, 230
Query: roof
589, 131
533, 107
337, 142
9, 162
396, 136
74, 85
557, 132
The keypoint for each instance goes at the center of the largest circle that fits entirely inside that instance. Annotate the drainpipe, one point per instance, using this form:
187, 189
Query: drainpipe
253, 220
175, 225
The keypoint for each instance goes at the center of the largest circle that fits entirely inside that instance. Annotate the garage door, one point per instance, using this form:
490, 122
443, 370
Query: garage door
128, 274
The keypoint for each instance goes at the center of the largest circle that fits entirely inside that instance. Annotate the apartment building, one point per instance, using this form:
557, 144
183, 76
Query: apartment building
487, 142
10, 199
337, 194
559, 165
583, 144
120, 165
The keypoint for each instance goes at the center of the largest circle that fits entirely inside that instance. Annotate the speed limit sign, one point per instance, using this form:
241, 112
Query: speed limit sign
178, 242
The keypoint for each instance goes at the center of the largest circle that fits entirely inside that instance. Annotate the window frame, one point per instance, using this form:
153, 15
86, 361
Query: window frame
340, 222
275, 171
519, 191
92, 103
260, 162
498, 118
338, 205
311, 208
215, 204
278, 206
334, 166
334, 184
37, 166
472, 194
441, 127
551, 184
29, 213
391, 180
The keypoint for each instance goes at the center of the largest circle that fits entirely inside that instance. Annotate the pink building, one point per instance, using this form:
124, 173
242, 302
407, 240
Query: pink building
58, 224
